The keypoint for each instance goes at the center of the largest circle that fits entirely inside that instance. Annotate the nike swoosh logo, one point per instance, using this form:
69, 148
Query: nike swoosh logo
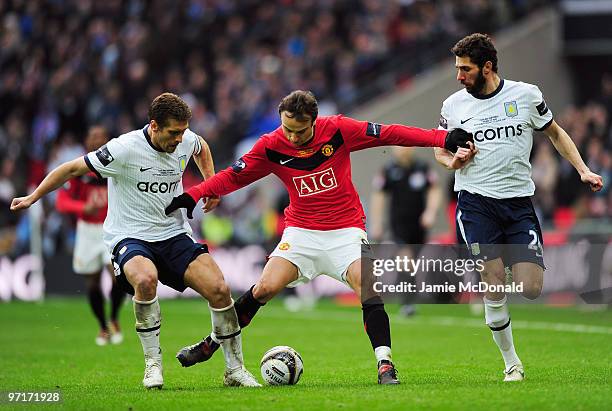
465, 121
286, 161
145, 168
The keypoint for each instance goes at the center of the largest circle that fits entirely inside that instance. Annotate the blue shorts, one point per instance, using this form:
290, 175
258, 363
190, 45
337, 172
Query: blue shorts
171, 258
506, 228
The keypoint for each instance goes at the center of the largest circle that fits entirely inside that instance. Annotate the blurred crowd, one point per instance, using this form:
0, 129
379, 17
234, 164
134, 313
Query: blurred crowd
68, 64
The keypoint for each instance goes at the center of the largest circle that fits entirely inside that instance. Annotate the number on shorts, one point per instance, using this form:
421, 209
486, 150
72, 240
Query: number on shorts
535, 243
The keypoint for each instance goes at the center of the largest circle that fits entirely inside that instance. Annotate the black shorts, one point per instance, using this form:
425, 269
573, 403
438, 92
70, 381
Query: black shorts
171, 258
506, 228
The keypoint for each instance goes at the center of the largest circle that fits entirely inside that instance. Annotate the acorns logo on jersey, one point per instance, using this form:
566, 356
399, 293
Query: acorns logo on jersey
498, 132
157, 187
327, 150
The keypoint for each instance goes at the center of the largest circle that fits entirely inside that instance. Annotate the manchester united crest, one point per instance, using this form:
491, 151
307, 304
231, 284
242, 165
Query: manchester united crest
284, 246
327, 150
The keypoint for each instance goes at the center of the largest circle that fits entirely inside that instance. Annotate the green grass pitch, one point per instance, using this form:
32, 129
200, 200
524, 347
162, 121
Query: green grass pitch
445, 356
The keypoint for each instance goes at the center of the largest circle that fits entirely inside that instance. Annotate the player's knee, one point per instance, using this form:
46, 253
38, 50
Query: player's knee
532, 290
492, 276
145, 282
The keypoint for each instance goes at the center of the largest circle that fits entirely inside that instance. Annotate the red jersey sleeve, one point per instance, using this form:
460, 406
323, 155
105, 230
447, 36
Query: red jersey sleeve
363, 134
247, 169
65, 203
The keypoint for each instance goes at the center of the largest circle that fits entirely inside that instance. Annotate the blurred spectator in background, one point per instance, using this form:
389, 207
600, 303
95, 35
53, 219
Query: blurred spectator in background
407, 191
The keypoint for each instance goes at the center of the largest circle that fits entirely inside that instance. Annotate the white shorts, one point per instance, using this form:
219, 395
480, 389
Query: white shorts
90, 253
316, 252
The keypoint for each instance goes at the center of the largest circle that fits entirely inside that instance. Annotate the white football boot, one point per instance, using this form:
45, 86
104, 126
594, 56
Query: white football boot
116, 336
240, 377
514, 373
153, 375
102, 338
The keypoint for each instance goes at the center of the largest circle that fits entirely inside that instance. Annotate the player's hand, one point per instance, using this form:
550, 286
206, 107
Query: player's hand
463, 156
20, 203
211, 203
592, 179
457, 138
182, 201
427, 219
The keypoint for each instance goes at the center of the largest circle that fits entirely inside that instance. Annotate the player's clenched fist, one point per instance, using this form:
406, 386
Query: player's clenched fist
463, 156
592, 179
19, 203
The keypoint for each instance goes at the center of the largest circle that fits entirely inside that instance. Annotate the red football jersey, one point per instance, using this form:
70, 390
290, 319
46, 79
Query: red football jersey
318, 174
75, 194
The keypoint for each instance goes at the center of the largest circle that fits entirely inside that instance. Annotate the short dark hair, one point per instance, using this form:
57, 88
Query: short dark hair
479, 48
168, 106
300, 104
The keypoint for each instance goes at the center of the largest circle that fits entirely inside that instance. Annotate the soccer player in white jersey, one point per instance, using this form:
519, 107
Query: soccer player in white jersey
144, 169
494, 188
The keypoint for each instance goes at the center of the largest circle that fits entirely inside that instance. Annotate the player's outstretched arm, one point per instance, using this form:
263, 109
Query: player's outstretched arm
566, 147
362, 134
249, 168
52, 181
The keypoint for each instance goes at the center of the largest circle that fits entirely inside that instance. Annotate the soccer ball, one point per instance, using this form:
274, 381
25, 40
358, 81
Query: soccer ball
281, 365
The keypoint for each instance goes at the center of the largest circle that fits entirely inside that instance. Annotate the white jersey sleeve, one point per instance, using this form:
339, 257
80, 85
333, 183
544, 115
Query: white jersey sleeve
444, 116
197, 142
539, 113
107, 161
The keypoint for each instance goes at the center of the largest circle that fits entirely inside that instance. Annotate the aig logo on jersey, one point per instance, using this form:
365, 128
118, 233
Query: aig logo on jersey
511, 108
315, 183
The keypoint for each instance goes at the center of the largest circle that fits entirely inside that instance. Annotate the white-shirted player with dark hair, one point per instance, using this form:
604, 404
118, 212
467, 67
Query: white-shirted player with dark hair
144, 170
494, 189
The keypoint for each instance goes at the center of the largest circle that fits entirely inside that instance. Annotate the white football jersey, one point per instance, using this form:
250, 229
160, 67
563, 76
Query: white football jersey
502, 123
142, 181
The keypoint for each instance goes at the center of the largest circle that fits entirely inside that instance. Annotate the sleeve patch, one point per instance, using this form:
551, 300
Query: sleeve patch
239, 165
373, 130
104, 155
542, 108
443, 123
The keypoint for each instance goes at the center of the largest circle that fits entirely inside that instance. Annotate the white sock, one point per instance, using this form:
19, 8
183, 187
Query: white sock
497, 318
148, 323
227, 331
382, 353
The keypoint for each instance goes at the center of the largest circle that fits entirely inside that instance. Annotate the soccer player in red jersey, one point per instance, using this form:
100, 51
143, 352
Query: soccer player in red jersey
86, 198
324, 222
